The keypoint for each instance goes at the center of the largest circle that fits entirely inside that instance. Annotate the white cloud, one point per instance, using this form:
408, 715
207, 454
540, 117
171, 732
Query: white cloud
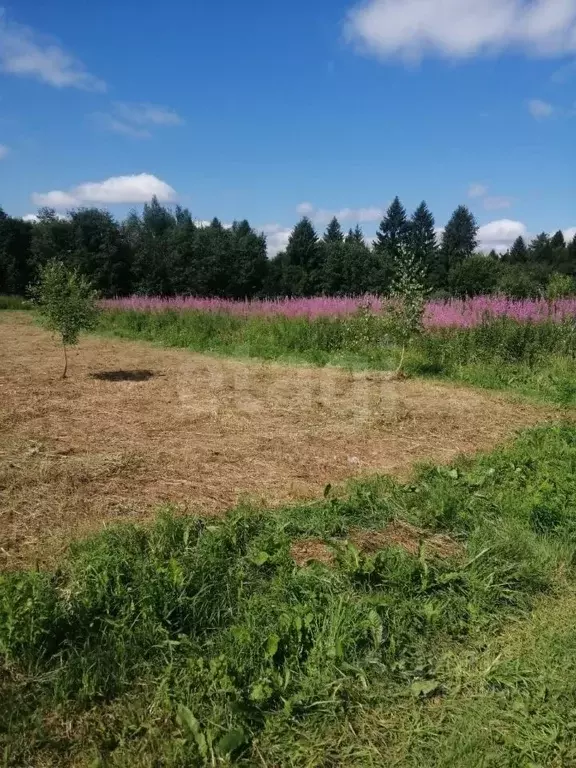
539, 109
458, 29
138, 188
305, 209
499, 235
477, 190
322, 216
3, 151
146, 114
34, 218
497, 203
108, 122
133, 119
24, 53
569, 234
276, 238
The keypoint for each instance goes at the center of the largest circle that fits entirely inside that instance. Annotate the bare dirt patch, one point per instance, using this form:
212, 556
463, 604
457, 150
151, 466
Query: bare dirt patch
400, 534
396, 534
202, 431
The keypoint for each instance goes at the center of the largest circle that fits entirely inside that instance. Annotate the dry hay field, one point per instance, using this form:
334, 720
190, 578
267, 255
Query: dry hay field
135, 426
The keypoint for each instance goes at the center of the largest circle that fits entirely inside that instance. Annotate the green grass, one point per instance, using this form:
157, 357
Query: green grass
14, 302
534, 360
196, 642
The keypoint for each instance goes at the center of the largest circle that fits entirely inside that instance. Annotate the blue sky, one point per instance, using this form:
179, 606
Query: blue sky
268, 109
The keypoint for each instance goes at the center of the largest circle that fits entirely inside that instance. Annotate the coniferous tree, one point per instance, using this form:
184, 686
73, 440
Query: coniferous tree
422, 235
333, 232
392, 239
557, 240
541, 250
459, 241
518, 253
250, 263
303, 271
355, 235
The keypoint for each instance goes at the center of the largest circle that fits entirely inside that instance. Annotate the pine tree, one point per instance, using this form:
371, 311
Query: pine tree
459, 241
249, 260
540, 249
333, 232
355, 235
422, 234
336, 268
392, 239
558, 240
518, 253
303, 273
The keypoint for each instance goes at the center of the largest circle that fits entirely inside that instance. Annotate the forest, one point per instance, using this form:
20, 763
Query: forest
165, 252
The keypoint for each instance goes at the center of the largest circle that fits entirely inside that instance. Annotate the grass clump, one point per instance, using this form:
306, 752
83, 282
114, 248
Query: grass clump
14, 302
197, 642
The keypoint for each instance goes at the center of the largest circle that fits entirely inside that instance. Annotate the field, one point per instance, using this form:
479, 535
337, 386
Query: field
266, 549
137, 426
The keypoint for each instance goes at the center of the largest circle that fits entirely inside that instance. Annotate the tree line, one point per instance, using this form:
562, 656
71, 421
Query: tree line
164, 251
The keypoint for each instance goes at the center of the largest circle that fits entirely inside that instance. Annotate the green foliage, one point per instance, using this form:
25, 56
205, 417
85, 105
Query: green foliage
408, 295
165, 252
392, 238
66, 302
475, 276
15, 241
459, 241
560, 287
518, 253
517, 283
422, 239
192, 640
538, 359
303, 264
334, 232
14, 302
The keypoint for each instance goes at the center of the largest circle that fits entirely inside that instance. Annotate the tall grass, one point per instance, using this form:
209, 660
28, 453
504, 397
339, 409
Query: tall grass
14, 302
534, 358
196, 641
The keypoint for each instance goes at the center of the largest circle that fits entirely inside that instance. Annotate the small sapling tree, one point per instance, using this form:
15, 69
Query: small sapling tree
66, 302
405, 310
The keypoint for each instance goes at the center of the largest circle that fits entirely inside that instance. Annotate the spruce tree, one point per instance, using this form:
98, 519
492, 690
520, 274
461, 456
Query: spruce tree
558, 240
423, 238
392, 239
250, 263
355, 235
540, 249
518, 253
333, 232
459, 241
303, 271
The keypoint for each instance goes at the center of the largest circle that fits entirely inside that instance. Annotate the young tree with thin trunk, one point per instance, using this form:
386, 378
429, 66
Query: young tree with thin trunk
66, 302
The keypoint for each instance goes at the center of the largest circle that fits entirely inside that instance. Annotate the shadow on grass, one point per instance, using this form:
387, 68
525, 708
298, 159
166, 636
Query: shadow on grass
136, 375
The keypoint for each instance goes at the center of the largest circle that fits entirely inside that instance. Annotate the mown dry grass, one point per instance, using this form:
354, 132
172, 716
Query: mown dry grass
202, 431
